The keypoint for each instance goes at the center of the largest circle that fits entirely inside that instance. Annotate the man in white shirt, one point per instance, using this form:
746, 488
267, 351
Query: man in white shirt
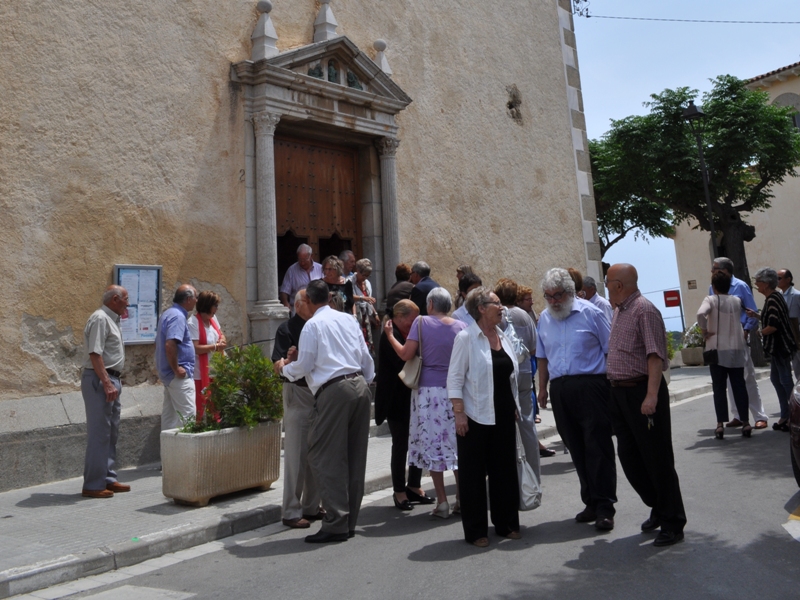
336, 364
590, 289
792, 297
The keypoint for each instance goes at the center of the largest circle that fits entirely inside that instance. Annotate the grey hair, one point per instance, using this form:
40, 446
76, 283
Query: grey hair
724, 263
421, 268
440, 300
768, 276
558, 279
182, 296
589, 282
345, 253
364, 265
477, 298
114, 290
298, 298
305, 249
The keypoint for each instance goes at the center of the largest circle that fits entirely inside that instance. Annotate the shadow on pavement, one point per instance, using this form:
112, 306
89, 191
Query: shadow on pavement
48, 500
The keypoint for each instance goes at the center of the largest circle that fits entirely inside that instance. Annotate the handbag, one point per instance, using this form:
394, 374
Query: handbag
413, 367
530, 487
710, 357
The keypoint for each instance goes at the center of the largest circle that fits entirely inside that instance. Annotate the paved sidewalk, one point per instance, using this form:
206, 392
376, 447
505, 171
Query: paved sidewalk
49, 534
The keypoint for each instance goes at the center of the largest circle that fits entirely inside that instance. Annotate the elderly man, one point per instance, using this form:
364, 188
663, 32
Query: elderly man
334, 359
421, 278
175, 359
637, 356
300, 492
741, 290
299, 274
792, 297
571, 349
590, 291
101, 390
348, 259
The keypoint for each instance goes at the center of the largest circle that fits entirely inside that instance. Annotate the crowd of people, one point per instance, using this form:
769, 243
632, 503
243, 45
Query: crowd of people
472, 409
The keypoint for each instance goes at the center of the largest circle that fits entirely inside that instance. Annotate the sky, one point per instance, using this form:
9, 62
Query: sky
622, 62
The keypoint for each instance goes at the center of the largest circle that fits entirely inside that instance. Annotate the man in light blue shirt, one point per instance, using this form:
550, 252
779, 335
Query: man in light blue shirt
571, 349
175, 359
742, 291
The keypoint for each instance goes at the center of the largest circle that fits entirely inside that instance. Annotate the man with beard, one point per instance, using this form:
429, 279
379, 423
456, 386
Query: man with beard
637, 356
571, 353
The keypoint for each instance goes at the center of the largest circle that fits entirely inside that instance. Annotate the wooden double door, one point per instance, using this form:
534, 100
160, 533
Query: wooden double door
317, 199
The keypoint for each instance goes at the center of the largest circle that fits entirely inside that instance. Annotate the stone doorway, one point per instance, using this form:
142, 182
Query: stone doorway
316, 198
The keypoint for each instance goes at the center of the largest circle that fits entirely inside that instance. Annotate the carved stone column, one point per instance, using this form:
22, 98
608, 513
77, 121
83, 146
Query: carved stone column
387, 148
268, 312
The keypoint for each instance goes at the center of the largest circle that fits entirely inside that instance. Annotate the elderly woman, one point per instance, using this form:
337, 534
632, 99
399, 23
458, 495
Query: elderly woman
206, 339
393, 404
460, 272
719, 317
525, 302
364, 302
482, 385
432, 443
337, 284
776, 334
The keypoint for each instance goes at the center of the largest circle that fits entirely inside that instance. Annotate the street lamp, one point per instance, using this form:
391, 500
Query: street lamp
692, 113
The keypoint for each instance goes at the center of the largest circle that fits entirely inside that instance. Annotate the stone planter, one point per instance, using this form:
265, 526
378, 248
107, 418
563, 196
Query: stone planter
692, 356
198, 466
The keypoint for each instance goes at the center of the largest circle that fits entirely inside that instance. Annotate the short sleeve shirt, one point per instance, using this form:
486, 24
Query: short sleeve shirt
437, 346
102, 336
212, 337
636, 332
173, 326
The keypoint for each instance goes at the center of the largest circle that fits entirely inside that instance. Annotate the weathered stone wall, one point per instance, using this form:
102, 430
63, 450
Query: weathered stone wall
121, 141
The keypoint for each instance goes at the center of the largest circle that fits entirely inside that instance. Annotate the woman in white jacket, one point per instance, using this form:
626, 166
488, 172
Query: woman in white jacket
482, 385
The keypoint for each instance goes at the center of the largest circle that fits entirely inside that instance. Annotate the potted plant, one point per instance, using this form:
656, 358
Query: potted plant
237, 444
693, 343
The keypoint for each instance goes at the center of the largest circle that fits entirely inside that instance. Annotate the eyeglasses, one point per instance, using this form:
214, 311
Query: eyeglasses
555, 297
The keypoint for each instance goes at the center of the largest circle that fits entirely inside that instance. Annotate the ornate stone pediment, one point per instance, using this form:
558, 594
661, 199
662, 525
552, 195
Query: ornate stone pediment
334, 69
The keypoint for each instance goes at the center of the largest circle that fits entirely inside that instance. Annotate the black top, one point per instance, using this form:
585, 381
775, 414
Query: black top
392, 397
776, 314
401, 290
419, 295
288, 335
345, 290
502, 369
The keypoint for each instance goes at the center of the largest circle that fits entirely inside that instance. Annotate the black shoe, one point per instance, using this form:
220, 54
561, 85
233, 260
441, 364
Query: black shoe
316, 517
546, 452
651, 525
404, 505
587, 515
323, 537
780, 426
604, 523
417, 498
668, 538
351, 534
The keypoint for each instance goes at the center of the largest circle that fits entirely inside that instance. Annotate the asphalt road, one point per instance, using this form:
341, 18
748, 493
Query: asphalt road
738, 495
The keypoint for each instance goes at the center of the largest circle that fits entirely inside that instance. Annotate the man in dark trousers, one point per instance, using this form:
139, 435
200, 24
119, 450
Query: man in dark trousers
300, 491
420, 277
637, 357
335, 362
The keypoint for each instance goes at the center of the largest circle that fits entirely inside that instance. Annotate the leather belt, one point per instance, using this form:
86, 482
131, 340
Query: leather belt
300, 382
337, 380
114, 373
628, 382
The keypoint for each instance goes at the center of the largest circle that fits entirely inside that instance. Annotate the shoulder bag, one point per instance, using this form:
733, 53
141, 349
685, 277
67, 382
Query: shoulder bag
530, 486
413, 367
711, 357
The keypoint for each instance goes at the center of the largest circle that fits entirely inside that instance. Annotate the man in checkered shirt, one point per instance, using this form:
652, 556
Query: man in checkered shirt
637, 356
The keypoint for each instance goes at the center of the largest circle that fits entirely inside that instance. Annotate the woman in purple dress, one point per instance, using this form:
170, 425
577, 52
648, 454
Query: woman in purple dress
432, 433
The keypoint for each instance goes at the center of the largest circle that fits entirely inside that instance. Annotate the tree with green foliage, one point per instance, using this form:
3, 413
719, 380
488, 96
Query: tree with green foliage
652, 161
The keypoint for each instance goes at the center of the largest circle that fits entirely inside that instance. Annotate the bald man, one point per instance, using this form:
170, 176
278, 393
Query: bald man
175, 359
101, 389
637, 357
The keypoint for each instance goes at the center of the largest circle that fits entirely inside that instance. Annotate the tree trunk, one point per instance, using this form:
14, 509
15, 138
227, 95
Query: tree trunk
735, 233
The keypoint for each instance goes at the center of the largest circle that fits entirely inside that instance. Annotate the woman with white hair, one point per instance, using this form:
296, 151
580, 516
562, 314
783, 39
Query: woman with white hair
364, 301
432, 430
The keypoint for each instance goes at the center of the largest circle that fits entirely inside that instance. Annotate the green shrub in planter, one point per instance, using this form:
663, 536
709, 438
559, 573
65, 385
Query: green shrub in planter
244, 390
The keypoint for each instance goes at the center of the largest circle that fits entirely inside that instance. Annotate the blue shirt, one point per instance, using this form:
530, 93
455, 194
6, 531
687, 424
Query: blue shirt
742, 291
173, 326
577, 345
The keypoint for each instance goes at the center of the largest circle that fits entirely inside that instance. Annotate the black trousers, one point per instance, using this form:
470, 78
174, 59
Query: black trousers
488, 450
399, 431
580, 406
646, 454
719, 383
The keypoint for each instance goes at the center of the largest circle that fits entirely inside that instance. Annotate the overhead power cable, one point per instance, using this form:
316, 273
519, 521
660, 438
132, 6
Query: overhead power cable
590, 16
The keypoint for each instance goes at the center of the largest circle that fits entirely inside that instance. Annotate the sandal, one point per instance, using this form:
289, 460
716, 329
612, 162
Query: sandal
781, 426
719, 432
747, 430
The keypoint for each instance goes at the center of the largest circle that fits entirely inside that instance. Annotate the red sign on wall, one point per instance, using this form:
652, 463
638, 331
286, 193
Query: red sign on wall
672, 298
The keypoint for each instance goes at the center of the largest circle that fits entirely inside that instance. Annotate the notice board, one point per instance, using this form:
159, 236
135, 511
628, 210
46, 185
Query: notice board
143, 283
